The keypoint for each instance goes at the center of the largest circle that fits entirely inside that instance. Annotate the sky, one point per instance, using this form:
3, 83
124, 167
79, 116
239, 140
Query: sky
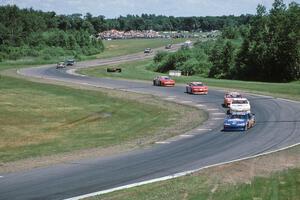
115, 8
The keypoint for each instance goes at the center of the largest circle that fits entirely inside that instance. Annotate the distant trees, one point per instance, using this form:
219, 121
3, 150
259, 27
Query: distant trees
26, 32
266, 49
164, 23
271, 50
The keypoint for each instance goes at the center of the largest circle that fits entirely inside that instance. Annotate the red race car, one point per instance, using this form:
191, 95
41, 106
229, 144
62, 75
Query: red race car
196, 88
163, 81
229, 96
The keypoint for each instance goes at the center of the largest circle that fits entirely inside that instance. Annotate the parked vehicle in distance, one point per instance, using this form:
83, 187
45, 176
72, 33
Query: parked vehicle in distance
148, 50
239, 121
239, 105
163, 81
196, 88
168, 46
70, 62
114, 69
60, 65
229, 96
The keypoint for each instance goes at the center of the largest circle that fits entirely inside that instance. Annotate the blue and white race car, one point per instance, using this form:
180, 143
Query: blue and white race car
239, 121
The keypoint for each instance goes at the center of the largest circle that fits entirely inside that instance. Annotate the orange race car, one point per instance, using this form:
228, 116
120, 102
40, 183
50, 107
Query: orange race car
229, 96
163, 81
196, 88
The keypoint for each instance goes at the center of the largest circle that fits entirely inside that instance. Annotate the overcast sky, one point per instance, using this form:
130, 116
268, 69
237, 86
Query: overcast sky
115, 8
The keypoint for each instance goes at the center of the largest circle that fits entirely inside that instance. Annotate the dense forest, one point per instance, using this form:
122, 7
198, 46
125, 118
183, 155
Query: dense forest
266, 49
27, 32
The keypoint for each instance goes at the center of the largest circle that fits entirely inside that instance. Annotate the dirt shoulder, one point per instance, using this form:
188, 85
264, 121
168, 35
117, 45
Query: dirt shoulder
187, 118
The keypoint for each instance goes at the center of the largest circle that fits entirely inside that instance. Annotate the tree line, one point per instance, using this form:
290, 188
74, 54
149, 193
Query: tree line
28, 32
171, 23
266, 49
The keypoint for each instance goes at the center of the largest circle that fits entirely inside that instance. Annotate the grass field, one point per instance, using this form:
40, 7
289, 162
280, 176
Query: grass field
39, 119
279, 186
271, 177
113, 48
138, 70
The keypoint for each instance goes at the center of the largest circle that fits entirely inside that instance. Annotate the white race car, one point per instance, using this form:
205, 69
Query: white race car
240, 105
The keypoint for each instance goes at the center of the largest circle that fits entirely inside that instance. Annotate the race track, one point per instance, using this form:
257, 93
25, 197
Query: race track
277, 126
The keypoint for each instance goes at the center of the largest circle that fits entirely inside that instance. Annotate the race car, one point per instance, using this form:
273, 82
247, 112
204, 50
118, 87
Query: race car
229, 96
60, 65
148, 50
163, 81
196, 88
239, 121
239, 105
70, 62
168, 46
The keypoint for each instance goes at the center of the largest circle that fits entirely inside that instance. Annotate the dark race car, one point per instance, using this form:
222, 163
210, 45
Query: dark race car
69, 62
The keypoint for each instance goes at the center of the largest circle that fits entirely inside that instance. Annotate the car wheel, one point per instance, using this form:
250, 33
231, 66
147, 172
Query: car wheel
154, 82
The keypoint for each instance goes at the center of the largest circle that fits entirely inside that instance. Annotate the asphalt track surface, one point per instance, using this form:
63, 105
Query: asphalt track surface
277, 126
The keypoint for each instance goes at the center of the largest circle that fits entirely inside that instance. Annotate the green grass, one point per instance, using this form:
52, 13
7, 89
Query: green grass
253, 179
115, 48
279, 186
138, 70
284, 185
112, 48
40, 119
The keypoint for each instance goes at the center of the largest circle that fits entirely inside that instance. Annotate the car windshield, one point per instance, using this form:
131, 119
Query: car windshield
240, 102
165, 78
197, 84
238, 117
233, 96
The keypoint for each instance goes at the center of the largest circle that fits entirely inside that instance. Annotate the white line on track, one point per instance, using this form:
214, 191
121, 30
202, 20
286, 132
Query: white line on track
204, 129
200, 105
169, 98
185, 101
175, 175
162, 142
217, 118
211, 109
1, 177
218, 113
186, 135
